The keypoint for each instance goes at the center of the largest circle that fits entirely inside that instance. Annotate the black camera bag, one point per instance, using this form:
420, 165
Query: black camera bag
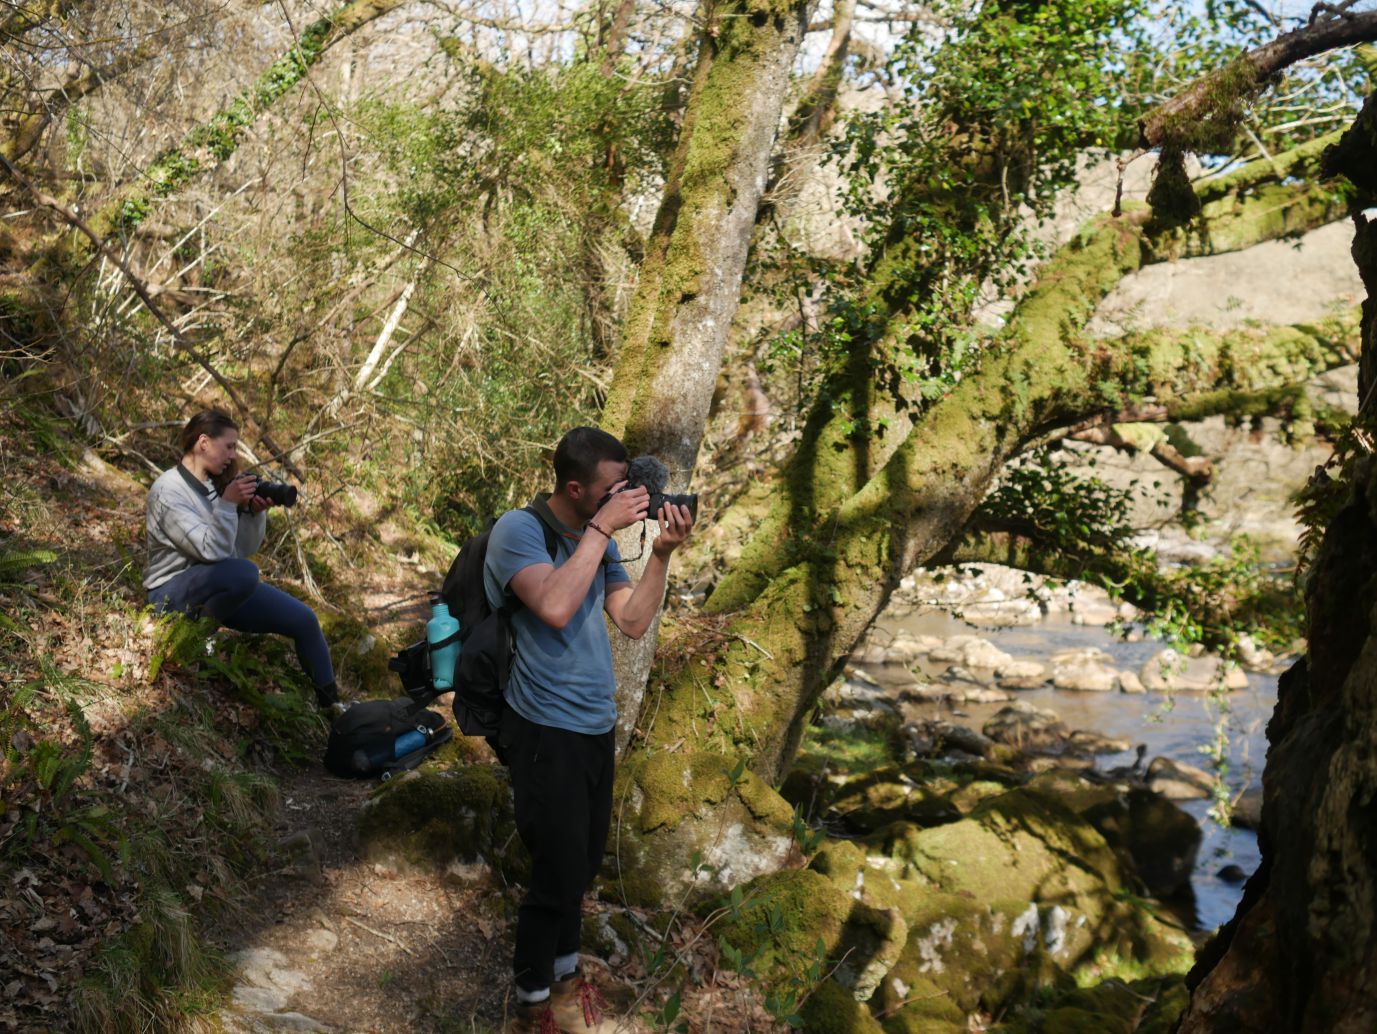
362, 740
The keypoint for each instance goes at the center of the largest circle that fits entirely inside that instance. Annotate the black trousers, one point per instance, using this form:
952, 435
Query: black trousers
562, 784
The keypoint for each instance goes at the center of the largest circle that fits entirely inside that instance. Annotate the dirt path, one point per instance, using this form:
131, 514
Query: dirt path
332, 943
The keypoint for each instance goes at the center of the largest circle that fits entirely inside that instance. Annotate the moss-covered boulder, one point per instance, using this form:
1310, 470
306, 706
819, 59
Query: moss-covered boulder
870, 802
1021, 893
1161, 840
689, 826
445, 822
790, 928
1116, 1006
832, 1009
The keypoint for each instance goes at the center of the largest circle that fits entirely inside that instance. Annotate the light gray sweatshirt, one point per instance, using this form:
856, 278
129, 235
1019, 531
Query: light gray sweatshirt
188, 523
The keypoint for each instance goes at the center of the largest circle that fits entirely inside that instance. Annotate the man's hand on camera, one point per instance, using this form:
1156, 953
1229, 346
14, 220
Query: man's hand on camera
625, 508
675, 524
241, 489
259, 503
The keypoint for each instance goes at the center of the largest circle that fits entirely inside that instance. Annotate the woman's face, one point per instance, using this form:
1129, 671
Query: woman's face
218, 453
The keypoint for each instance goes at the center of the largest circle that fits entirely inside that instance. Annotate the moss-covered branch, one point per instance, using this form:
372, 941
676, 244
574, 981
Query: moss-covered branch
809, 616
1301, 160
862, 418
208, 145
1207, 113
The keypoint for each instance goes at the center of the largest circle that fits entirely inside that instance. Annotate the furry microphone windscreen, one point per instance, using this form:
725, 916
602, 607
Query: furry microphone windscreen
647, 471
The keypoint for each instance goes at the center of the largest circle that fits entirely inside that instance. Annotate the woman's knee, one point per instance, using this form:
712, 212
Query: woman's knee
237, 577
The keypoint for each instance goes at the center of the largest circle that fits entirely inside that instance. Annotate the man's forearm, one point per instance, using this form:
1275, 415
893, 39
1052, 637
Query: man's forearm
645, 598
558, 598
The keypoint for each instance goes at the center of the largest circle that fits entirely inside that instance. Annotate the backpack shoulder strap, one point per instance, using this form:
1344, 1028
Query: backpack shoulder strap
551, 536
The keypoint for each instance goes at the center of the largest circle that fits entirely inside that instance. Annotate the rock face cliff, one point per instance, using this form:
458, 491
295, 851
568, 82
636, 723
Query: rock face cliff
1301, 953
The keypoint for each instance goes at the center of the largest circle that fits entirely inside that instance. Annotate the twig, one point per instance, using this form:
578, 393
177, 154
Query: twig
379, 933
751, 642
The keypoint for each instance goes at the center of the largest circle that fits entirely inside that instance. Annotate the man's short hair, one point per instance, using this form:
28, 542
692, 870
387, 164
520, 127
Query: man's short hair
580, 451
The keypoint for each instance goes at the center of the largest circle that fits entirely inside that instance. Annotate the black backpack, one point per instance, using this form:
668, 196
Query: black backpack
485, 660
383, 737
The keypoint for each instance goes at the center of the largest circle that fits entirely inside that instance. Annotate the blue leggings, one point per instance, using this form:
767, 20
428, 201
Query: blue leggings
229, 591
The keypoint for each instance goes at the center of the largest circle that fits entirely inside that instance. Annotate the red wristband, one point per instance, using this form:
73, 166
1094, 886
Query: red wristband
596, 527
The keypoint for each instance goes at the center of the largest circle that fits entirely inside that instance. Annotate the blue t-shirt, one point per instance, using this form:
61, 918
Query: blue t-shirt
560, 677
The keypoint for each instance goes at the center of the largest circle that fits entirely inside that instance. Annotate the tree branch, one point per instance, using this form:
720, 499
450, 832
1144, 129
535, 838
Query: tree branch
1210, 102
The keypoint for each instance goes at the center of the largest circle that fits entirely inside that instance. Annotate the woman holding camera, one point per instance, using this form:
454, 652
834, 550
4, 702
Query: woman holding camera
203, 522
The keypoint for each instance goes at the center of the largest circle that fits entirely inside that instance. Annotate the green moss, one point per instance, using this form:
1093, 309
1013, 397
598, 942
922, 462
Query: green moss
360, 657
676, 786
782, 919
432, 819
831, 1009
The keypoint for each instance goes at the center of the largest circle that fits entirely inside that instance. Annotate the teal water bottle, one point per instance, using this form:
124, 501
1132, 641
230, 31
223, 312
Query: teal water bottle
442, 632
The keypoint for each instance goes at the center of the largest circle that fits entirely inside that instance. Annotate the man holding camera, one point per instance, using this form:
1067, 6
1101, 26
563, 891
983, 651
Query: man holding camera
557, 728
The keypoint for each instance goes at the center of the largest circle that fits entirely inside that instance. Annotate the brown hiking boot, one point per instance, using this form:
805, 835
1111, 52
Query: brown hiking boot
533, 1019
580, 1008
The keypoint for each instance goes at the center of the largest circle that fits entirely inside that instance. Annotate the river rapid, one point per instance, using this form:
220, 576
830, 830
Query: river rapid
1181, 727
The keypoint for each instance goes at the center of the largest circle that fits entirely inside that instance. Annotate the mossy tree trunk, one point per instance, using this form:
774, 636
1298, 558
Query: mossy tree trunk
1300, 955
690, 280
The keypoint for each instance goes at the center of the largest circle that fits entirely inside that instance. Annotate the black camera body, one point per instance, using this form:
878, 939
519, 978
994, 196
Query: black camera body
278, 492
659, 499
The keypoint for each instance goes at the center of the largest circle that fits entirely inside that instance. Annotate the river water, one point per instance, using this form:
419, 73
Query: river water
1176, 728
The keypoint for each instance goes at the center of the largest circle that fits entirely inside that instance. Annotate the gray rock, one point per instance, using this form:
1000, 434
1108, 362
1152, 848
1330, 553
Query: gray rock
1247, 810
1036, 682
980, 695
953, 650
259, 999
320, 941
1089, 742
1085, 676
1129, 682
963, 739
1170, 672
1022, 725
1016, 669
1232, 874
1177, 780
984, 655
